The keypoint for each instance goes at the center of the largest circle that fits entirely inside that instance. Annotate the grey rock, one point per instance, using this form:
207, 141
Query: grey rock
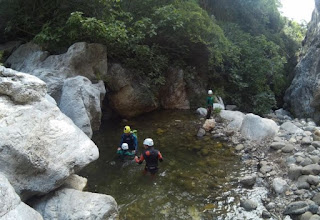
291, 128
248, 181
201, 132
279, 185
291, 160
294, 172
248, 204
306, 162
271, 205
313, 169
277, 145
296, 208
266, 214
73, 204
306, 216
265, 169
316, 144
288, 148
310, 148
306, 140
315, 159
315, 217
316, 198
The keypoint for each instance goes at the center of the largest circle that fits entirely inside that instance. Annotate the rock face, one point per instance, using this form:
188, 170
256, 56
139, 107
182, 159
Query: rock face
174, 95
72, 204
87, 60
303, 95
256, 128
80, 101
128, 95
11, 207
40, 147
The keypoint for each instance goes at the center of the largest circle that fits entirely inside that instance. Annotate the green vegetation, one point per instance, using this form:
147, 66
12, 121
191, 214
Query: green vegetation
244, 47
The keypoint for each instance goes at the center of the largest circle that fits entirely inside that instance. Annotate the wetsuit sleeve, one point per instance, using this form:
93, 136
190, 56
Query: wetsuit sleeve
160, 156
140, 160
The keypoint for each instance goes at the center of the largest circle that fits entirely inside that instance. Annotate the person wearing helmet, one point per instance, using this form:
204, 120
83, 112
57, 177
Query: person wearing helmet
124, 151
151, 156
129, 138
210, 101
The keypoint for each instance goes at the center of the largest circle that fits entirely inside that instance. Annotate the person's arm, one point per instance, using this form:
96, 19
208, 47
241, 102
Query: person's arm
139, 160
160, 156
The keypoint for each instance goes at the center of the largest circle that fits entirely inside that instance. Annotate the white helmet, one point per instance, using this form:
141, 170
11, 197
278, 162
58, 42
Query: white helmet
210, 92
124, 146
148, 142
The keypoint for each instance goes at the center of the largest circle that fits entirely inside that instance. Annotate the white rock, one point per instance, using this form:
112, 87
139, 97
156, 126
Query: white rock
234, 119
11, 207
81, 101
72, 204
256, 128
279, 185
40, 147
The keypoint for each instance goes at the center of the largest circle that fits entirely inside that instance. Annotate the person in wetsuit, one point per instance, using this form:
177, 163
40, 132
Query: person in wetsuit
151, 156
129, 138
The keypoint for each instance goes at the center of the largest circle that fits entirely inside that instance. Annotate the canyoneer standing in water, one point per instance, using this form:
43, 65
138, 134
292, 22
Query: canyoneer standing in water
151, 156
128, 144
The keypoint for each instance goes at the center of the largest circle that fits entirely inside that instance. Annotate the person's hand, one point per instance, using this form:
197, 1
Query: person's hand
136, 157
119, 148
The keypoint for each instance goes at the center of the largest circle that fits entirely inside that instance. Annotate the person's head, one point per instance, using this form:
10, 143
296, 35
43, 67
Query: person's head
148, 142
127, 130
124, 146
210, 93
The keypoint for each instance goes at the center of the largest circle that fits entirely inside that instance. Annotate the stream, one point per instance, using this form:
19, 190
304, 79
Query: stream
196, 180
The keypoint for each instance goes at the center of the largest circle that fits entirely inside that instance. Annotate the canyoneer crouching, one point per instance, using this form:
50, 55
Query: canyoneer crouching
151, 156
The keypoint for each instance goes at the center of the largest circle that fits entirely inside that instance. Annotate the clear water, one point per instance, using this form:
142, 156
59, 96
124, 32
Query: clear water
194, 180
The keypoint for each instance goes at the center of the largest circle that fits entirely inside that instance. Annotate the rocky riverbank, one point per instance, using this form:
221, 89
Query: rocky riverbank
282, 177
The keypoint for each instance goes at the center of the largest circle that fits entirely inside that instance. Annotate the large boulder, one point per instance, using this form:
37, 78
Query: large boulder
81, 101
129, 96
40, 147
84, 59
174, 94
71, 204
11, 207
258, 129
233, 118
87, 60
303, 95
